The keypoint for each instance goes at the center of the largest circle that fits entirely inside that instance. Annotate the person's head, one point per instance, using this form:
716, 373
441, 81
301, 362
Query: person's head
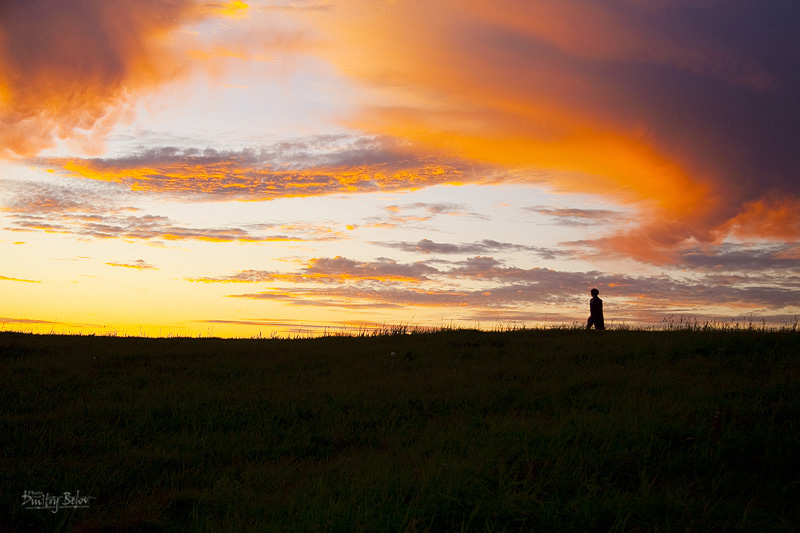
595, 292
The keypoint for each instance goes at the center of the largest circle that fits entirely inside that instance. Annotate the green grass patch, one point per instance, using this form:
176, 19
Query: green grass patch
459, 430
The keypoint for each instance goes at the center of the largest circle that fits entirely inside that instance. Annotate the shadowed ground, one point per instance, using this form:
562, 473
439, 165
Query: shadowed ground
460, 430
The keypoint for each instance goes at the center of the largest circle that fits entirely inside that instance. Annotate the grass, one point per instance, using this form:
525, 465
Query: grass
693, 429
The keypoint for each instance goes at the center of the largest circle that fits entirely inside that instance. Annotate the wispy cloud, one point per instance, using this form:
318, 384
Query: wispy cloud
145, 227
321, 298
29, 321
335, 270
417, 214
101, 213
301, 326
439, 209
485, 246
32, 322
6, 278
139, 264
577, 217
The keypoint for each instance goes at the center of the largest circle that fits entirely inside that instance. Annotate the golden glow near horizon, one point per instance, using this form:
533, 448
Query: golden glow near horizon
239, 168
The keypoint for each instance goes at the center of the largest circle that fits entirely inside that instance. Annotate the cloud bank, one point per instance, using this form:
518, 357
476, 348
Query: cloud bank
687, 110
484, 284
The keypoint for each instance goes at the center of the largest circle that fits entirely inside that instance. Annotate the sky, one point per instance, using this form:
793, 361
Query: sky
280, 167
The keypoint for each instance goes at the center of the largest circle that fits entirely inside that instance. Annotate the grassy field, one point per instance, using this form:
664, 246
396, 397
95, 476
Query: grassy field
460, 430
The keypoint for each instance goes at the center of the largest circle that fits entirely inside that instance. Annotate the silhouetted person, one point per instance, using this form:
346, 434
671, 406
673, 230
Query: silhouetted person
595, 312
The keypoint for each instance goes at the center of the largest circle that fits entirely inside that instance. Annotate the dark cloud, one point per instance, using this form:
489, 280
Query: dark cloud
738, 258
726, 257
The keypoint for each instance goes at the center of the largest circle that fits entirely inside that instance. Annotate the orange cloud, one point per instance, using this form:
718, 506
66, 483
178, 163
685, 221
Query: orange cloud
672, 108
68, 66
69, 70
6, 278
139, 264
777, 218
227, 180
316, 166
233, 9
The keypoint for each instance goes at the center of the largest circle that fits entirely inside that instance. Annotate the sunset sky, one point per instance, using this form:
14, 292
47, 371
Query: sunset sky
179, 167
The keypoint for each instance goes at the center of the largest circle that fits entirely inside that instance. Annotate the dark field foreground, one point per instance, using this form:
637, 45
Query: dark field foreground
529, 430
